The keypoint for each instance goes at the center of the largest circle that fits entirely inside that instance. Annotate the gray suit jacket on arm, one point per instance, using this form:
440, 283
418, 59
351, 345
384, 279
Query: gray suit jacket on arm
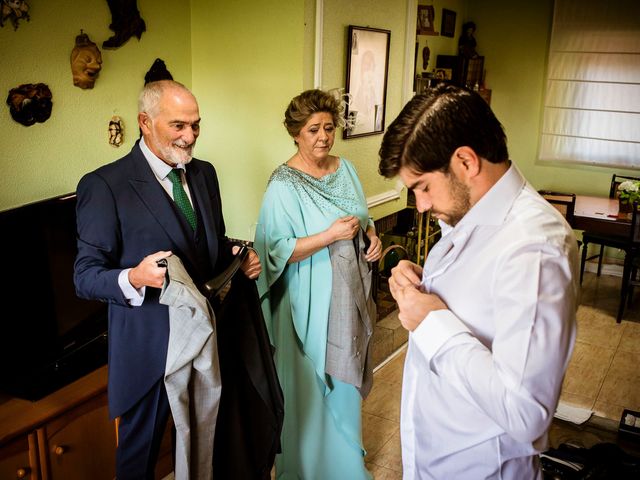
192, 375
351, 315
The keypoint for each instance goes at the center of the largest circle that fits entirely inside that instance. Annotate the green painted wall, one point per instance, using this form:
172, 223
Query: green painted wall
247, 65
48, 159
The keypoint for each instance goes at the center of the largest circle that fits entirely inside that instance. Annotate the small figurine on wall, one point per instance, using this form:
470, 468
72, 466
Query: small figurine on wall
13, 10
467, 42
116, 131
125, 22
86, 62
158, 71
30, 103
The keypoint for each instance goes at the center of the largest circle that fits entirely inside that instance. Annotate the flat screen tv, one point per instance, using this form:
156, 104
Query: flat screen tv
52, 337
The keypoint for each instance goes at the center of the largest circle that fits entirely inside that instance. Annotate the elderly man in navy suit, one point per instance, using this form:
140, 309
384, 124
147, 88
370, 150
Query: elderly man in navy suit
154, 202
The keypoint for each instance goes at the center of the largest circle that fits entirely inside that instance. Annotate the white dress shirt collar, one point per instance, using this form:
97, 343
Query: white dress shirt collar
159, 167
494, 206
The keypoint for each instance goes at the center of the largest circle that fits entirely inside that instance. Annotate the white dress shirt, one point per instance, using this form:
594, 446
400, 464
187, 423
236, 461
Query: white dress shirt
161, 170
482, 379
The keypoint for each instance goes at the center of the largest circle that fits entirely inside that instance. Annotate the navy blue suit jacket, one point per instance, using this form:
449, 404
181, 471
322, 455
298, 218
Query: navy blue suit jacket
124, 214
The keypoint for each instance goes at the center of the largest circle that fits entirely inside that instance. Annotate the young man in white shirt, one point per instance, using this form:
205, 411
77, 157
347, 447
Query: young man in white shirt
492, 313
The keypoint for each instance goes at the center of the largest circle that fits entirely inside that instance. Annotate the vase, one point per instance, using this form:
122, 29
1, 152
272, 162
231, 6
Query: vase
624, 209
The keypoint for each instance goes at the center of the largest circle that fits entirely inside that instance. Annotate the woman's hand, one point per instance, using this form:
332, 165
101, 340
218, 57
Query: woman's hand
344, 228
375, 248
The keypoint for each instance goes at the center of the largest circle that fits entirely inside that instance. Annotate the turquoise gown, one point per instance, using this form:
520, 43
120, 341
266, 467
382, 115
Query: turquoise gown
322, 432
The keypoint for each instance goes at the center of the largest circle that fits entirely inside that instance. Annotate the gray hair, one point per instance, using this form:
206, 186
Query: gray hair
152, 92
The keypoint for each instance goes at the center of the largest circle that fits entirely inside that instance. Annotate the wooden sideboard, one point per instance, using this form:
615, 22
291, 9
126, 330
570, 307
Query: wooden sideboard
66, 435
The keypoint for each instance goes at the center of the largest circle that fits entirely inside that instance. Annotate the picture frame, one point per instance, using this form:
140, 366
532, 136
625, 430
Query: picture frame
366, 84
448, 27
425, 21
442, 73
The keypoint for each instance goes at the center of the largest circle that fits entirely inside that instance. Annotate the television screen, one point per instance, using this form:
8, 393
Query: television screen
54, 337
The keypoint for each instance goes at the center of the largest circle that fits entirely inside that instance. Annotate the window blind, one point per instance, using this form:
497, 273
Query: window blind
591, 111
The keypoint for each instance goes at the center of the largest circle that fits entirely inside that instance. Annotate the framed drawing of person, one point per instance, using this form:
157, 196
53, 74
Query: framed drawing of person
367, 69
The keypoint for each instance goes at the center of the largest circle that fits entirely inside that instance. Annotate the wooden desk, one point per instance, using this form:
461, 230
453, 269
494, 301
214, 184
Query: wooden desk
599, 215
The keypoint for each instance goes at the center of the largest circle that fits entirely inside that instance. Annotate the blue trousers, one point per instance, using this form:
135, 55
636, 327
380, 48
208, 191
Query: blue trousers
140, 434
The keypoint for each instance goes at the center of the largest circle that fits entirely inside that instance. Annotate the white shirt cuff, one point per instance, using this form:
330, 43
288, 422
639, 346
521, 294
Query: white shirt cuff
435, 330
133, 295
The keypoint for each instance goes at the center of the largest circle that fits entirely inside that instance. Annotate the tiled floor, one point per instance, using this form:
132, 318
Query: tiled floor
381, 421
603, 376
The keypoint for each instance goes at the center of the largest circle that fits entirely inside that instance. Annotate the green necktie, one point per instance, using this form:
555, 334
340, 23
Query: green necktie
181, 198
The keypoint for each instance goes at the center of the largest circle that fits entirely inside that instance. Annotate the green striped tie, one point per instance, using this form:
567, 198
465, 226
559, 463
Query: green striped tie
180, 197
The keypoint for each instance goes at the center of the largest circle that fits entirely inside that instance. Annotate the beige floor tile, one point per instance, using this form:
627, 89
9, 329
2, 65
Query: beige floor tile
390, 455
384, 401
598, 328
587, 369
630, 341
392, 371
621, 383
376, 431
382, 473
577, 400
607, 410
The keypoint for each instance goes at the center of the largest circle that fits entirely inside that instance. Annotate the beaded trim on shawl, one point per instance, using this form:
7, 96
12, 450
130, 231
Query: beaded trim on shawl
334, 190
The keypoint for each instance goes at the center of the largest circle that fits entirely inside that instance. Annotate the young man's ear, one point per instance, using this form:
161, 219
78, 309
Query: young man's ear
466, 162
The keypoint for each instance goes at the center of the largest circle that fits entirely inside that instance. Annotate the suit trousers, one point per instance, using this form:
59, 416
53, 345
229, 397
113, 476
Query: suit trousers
140, 433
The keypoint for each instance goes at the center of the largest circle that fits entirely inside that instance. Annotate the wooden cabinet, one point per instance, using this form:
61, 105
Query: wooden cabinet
79, 444
19, 459
66, 435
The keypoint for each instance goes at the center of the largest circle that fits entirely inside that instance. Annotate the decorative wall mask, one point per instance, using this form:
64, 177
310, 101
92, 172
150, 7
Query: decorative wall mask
86, 62
13, 10
30, 103
125, 22
158, 71
116, 131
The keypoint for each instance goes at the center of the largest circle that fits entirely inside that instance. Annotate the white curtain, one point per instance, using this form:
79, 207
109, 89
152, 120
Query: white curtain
592, 98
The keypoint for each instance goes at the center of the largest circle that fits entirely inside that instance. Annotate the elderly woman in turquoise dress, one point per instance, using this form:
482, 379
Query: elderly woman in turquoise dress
312, 200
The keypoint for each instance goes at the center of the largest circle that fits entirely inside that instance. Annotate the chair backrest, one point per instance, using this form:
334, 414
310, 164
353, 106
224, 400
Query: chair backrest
565, 203
616, 180
635, 225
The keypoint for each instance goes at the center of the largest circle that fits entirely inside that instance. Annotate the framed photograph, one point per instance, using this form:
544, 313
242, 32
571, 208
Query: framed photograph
425, 21
442, 73
367, 68
448, 27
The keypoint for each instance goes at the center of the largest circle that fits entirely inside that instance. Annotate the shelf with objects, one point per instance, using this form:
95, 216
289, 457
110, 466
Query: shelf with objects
407, 234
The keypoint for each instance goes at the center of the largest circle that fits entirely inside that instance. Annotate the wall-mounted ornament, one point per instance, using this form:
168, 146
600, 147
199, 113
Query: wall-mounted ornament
86, 62
125, 22
158, 71
116, 131
30, 103
13, 10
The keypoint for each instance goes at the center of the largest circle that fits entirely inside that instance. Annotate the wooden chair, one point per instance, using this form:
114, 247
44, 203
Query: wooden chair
616, 180
604, 240
565, 203
631, 263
